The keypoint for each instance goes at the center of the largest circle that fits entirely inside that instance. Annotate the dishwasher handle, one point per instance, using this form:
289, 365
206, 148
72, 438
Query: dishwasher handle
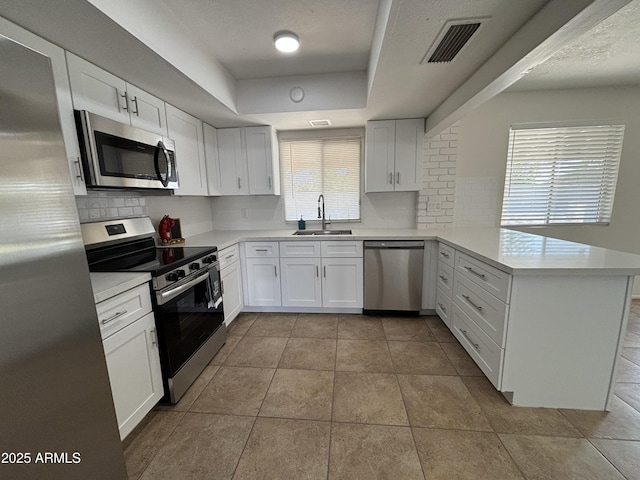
394, 244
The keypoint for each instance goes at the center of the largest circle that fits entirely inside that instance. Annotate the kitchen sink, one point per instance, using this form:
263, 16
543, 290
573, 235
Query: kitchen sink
322, 232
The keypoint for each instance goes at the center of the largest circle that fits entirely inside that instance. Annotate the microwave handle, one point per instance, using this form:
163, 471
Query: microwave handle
162, 147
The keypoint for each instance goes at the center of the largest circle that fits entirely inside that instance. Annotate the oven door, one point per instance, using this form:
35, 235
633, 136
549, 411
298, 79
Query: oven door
186, 316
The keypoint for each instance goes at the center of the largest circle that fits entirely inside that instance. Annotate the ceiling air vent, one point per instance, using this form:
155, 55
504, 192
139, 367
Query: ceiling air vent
452, 38
320, 123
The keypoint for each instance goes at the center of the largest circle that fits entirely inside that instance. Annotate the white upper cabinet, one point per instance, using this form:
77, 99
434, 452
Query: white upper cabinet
234, 173
393, 155
63, 96
211, 159
249, 163
102, 93
262, 160
186, 131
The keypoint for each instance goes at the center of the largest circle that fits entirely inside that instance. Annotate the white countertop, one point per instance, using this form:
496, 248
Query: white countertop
109, 284
509, 250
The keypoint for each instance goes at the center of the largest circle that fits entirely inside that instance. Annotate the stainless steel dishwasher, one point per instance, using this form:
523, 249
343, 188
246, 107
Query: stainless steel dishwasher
393, 276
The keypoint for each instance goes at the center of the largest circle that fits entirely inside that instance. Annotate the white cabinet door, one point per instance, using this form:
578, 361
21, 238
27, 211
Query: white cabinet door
63, 96
342, 282
234, 175
263, 282
97, 90
300, 282
231, 291
186, 132
262, 160
379, 156
147, 112
211, 159
134, 372
408, 154
393, 155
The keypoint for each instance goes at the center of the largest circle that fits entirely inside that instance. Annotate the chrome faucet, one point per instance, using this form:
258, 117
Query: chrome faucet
321, 212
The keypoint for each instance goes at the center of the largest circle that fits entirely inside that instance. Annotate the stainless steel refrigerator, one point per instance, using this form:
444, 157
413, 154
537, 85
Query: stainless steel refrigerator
57, 419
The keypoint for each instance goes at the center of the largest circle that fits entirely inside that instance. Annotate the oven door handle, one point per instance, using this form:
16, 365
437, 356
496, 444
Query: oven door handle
164, 297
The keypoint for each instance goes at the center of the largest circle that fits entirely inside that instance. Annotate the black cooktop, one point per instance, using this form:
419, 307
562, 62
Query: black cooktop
143, 256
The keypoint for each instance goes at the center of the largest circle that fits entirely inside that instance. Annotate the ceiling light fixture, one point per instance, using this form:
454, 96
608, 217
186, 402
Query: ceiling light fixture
286, 41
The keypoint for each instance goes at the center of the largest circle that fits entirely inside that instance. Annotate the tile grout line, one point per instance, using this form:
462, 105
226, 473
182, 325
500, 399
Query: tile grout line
606, 458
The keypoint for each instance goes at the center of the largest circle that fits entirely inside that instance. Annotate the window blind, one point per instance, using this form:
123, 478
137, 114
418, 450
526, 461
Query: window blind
561, 175
328, 166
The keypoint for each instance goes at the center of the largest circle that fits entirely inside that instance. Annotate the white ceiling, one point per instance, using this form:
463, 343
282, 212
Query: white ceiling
607, 55
358, 60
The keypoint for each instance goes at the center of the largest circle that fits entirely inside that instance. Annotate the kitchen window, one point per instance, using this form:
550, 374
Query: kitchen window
561, 175
314, 166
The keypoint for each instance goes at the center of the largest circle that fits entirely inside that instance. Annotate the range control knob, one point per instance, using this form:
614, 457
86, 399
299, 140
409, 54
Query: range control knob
180, 273
209, 259
194, 266
172, 277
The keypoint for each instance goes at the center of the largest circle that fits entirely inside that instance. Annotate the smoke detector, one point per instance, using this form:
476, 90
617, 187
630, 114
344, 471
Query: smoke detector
453, 37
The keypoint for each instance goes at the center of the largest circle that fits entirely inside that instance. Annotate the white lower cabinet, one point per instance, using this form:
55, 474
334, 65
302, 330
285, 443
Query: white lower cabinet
231, 276
134, 371
130, 342
300, 282
263, 282
342, 282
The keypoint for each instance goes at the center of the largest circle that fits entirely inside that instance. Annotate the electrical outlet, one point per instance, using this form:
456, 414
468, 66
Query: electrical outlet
434, 206
245, 213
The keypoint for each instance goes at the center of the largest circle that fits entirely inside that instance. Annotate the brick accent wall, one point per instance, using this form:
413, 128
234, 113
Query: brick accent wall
436, 200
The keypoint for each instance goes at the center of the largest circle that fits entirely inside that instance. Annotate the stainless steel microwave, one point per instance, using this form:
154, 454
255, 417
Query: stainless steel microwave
115, 155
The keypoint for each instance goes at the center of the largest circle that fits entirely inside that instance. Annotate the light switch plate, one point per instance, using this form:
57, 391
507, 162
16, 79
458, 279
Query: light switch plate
434, 206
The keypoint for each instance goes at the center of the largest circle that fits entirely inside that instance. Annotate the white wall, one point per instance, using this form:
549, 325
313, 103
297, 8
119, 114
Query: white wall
378, 210
482, 154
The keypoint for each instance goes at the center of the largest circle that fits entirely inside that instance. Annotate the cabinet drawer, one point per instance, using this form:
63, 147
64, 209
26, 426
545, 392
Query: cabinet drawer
305, 249
117, 312
484, 309
444, 280
341, 249
443, 307
228, 255
487, 355
446, 254
490, 278
261, 249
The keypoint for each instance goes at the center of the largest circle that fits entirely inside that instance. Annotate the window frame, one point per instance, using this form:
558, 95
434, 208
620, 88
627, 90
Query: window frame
325, 133
548, 221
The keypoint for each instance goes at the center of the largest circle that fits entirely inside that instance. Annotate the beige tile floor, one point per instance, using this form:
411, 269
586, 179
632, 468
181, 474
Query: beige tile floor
353, 397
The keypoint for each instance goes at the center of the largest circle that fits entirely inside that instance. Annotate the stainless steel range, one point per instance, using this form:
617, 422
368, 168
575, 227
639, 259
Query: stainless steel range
186, 293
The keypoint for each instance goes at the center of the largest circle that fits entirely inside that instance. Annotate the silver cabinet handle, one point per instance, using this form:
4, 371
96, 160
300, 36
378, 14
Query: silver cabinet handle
443, 278
475, 345
275, 269
79, 167
221, 287
137, 110
398, 177
391, 178
324, 271
442, 307
126, 102
444, 254
261, 250
231, 256
317, 271
239, 185
471, 270
113, 317
466, 297
154, 335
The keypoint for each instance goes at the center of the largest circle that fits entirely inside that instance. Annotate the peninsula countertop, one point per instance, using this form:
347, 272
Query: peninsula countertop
512, 251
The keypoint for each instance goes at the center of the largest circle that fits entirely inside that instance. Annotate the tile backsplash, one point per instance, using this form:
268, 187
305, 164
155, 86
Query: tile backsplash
107, 205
